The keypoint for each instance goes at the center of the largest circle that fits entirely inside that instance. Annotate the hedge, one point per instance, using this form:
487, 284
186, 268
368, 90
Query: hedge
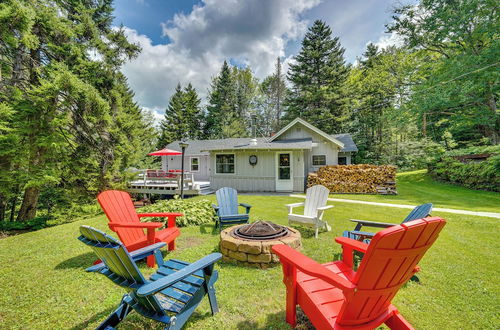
483, 175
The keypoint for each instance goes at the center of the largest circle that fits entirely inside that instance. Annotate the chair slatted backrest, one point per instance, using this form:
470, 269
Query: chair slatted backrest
388, 263
419, 212
316, 196
119, 208
121, 269
227, 198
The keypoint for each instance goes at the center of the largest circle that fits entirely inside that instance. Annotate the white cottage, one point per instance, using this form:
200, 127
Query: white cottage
278, 163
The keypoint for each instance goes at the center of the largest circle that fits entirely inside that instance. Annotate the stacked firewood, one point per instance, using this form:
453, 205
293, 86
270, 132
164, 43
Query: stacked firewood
352, 179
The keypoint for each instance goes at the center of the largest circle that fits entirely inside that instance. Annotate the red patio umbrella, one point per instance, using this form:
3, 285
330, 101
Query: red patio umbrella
165, 152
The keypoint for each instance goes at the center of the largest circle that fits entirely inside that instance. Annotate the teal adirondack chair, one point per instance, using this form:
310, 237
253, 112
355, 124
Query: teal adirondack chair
170, 295
418, 212
227, 210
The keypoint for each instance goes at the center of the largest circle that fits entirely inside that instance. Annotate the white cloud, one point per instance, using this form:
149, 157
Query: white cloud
156, 115
249, 32
386, 40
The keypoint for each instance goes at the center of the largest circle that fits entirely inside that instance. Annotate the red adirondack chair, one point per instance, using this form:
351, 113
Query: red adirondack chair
334, 296
125, 221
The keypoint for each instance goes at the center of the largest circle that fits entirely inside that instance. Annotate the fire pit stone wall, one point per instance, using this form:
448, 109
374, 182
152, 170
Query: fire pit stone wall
256, 253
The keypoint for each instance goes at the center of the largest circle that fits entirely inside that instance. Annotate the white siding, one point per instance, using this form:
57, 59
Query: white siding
321, 145
261, 177
174, 163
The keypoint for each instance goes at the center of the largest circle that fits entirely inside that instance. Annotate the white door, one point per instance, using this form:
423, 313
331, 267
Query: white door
284, 171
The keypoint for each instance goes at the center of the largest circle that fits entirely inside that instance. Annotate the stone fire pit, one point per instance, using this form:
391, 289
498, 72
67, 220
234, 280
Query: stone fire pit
250, 244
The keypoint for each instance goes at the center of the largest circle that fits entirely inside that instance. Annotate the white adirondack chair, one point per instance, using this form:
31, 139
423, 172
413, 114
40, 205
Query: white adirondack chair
314, 207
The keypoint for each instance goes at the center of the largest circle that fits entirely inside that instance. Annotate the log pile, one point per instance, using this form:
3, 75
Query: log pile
356, 179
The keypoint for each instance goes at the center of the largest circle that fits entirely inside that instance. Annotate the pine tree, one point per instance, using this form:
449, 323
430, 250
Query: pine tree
317, 80
192, 115
222, 104
174, 126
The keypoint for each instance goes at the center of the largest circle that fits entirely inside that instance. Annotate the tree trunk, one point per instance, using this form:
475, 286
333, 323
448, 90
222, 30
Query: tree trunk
28, 206
492, 131
13, 204
3, 207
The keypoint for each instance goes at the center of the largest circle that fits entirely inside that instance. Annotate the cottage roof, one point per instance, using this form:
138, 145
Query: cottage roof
301, 121
202, 147
346, 139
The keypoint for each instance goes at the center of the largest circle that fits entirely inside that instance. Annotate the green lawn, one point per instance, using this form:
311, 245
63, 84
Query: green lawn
44, 285
417, 187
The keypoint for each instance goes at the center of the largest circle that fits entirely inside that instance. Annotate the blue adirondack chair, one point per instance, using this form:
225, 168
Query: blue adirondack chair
227, 210
169, 296
418, 212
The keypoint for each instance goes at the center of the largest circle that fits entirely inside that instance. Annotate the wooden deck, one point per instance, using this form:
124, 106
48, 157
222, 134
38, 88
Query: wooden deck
169, 188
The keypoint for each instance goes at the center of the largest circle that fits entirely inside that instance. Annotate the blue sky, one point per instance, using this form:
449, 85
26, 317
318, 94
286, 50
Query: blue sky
187, 41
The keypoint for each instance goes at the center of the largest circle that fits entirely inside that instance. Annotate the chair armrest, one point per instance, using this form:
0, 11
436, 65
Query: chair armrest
291, 206
216, 208
348, 245
160, 215
363, 233
136, 225
158, 285
352, 243
373, 223
170, 215
246, 206
326, 207
146, 251
309, 266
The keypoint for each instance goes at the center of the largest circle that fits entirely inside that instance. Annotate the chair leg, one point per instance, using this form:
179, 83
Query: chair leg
171, 245
116, 317
316, 233
212, 298
150, 261
398, 322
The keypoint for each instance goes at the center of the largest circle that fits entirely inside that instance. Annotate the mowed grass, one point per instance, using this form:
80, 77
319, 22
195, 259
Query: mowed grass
43, 283
417, 187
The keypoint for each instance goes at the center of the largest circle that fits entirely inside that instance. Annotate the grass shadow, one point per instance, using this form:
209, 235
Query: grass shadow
101, 316
305, 232
82, 261
277, 321
209, 228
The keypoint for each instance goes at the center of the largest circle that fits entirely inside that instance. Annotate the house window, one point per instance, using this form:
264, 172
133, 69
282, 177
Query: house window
195, 164
224, 163
342, 160
319, 160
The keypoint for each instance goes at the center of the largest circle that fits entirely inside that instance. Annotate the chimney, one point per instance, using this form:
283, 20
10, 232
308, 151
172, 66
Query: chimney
253, 140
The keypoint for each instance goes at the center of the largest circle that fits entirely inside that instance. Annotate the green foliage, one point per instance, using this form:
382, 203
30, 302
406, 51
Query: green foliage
459, 46
474, 150
317, 79
183, 117
231, 98
484, 175
72, 113
196, 211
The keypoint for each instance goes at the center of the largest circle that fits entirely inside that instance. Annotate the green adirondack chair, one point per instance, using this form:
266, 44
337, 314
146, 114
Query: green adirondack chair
170, 295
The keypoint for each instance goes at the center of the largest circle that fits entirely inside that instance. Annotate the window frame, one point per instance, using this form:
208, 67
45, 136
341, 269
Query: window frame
234, 163
312, 160
191, 164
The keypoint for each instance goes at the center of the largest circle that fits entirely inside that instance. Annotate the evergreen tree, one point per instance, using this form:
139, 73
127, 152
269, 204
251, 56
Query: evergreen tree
223, 119
68, 110
193, 115
174, 126
317, 79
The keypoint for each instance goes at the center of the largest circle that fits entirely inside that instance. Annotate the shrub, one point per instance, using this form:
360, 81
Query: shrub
483, 175
196, 211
